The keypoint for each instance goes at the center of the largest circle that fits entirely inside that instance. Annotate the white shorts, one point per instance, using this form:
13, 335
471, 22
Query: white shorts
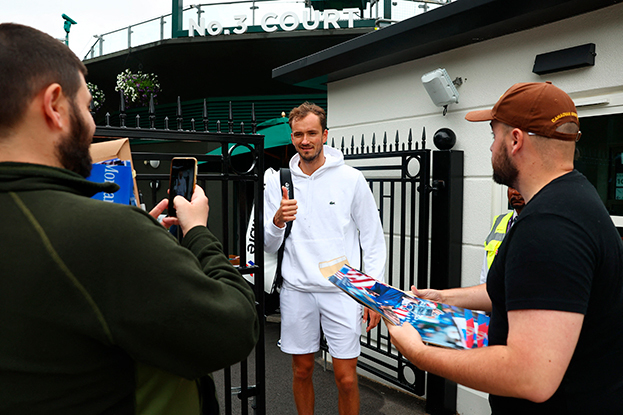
305, 314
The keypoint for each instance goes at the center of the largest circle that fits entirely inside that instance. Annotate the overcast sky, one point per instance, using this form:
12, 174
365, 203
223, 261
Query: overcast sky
93, 17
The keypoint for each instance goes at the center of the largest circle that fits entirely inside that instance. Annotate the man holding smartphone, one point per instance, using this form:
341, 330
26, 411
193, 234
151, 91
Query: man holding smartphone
334, 215
102, 311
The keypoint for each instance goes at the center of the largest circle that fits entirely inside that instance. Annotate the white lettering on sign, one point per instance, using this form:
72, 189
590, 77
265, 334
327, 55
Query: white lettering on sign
294, 21
264, 22
315, 20
241, 20
270, 22
330, 18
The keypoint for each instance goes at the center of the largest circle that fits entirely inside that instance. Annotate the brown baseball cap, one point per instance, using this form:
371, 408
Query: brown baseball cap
535, 107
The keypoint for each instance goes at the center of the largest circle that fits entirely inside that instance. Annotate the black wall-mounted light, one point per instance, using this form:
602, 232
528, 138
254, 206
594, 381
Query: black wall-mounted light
565, 59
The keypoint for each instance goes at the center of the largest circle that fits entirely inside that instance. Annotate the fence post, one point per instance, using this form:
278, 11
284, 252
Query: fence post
446, 246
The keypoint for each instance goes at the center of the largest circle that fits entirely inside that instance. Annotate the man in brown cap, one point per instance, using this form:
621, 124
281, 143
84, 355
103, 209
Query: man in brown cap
555, 289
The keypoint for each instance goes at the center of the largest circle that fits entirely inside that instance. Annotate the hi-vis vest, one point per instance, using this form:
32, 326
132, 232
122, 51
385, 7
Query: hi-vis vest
494, 240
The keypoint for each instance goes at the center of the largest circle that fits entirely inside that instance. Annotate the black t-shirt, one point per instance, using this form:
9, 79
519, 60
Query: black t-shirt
564, 254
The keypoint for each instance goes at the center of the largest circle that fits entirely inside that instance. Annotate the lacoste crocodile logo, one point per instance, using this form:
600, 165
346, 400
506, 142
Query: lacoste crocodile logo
332, 202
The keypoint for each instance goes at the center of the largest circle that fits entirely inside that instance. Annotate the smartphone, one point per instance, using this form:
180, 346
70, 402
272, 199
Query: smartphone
182, 180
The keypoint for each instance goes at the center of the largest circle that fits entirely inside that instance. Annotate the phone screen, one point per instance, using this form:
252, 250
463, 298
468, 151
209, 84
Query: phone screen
182, 179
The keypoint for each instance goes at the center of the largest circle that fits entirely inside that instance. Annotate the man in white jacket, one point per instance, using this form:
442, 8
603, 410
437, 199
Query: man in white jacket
335, 215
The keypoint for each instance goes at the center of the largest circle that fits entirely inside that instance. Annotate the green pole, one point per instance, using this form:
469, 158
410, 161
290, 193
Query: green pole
176, 17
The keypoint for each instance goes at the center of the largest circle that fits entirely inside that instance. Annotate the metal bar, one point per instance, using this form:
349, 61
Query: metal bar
260, 362
119, 132
423, 221
446, 239
227, 383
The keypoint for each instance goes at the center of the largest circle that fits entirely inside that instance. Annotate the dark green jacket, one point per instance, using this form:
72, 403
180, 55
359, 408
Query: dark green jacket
101, 310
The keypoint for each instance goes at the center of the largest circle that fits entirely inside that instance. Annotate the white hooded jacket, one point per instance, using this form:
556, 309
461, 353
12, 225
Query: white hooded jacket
336, 216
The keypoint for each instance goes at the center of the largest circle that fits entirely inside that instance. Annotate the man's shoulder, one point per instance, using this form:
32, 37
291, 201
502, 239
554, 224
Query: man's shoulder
347, 172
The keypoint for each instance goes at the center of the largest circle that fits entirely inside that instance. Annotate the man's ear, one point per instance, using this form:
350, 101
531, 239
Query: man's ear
517, 140
325, 135
54, 106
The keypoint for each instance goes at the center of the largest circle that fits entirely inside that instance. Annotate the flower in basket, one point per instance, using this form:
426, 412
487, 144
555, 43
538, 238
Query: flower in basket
137, 87
97, 95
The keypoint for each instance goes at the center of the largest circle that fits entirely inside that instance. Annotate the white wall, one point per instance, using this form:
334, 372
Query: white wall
393, 99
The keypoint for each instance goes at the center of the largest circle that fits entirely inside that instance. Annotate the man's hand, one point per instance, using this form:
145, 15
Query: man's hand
373, 316
406, 339
193, 213
428, 294
286, 211
167, 221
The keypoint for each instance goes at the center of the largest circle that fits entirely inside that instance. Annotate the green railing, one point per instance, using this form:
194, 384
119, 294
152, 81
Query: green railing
249, 16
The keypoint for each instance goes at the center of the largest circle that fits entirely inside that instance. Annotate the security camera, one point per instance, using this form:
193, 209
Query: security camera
69, 19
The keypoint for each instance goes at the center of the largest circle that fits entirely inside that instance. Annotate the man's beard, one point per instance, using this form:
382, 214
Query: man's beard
311, 157
504, 171
73, 149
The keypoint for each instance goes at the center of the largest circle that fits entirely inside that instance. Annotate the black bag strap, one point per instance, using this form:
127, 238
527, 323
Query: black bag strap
286, 180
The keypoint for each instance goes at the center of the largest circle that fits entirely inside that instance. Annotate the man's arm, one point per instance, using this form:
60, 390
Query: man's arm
474, 298
165, 303
531, 366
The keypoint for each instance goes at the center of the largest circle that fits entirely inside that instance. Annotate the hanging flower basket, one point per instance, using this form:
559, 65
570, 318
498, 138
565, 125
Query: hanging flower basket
137, 87
98, 96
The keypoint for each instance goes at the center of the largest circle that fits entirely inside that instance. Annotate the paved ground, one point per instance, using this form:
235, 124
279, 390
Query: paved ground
376, 399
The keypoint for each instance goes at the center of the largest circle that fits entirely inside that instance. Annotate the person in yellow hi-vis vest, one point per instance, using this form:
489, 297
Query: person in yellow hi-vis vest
501, 225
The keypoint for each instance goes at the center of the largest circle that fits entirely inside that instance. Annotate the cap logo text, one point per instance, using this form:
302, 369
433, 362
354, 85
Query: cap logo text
564, 114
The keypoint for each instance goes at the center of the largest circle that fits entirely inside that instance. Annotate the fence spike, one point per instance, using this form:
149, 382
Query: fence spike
352, 145
385, 141
218, 126
166, 123
410, 139
423, 138
192, 125
138, 121
342, 148
241, 127
397, 140
373, 141
363, 144
108, 119
205, 115
333, 142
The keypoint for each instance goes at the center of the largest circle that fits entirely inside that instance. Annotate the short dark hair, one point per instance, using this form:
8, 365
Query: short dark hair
304, 110
31, 60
